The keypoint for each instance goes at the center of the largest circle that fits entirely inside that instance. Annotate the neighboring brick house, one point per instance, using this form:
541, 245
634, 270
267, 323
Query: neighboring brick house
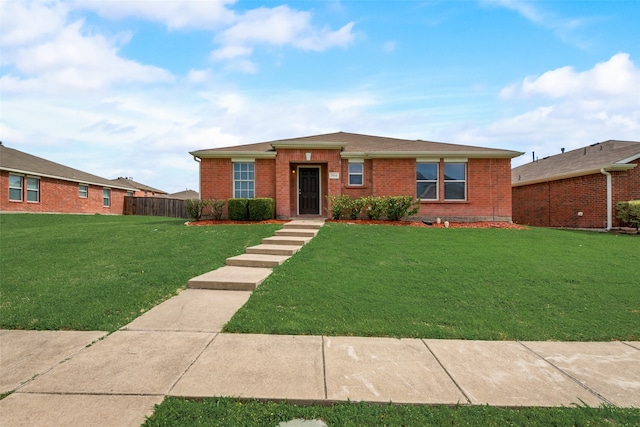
33, 184
579, 188
454, 182
141, 189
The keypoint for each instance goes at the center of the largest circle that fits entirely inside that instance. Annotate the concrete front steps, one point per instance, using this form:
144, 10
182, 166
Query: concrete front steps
247, 271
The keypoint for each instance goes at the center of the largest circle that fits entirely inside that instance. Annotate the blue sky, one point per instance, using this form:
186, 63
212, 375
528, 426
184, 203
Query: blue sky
128, 88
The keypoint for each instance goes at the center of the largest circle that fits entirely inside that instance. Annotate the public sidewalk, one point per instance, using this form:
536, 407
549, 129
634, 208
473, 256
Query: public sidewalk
177, 349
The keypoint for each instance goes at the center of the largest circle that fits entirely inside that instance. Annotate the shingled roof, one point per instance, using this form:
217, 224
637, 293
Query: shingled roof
131, 183
20, 162
358, 145
609, 155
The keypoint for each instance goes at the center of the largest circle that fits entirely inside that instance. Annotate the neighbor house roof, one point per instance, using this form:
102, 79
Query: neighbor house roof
141, 187
19, 162
608, 155
184, 195
353, 145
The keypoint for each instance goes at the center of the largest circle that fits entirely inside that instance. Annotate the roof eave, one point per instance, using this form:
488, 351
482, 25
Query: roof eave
326, 145
499, 154
611, 168
63, 178
212, 154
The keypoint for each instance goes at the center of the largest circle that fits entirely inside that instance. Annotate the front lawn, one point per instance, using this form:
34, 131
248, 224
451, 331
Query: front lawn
94, 272
489, 284
233, 412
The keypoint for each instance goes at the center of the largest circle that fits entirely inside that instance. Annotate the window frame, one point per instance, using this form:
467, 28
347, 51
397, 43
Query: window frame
86, 191
106, 197
244, 193
31, 190
21, 188
354, 174
455, 181
435, 181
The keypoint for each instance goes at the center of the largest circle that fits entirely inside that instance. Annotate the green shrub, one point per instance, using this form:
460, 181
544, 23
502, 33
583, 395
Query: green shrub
195, 207
338, 205
354, 207
217, 206
238, 209
261, 209
401, 206
376, 207
629, 213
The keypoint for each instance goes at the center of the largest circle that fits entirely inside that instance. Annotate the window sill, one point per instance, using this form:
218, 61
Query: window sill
361, 187
443, 202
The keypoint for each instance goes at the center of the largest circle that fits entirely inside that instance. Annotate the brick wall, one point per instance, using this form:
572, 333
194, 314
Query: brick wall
58, 196
488, 183
557, 203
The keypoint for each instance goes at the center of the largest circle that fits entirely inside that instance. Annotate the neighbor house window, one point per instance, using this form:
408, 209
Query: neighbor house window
15, 188
106, 197
455, 181
356, 173
84, 191
427, 181
33, 189
243, 180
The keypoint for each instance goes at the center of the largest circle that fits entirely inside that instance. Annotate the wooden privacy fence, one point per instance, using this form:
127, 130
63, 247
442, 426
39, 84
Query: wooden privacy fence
155, 206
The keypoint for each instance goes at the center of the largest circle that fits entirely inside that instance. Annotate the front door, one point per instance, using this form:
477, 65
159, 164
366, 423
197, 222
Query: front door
309, 191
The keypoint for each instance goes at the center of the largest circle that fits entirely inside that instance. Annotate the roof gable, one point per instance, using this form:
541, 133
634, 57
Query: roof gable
131, 183
20, 162
608, 155
358, 145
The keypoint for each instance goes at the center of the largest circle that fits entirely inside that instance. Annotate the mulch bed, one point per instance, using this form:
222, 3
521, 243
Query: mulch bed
485, 224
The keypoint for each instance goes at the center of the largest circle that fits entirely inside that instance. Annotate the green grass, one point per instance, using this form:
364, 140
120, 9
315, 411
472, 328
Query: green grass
491, 284
96, 272
233, 412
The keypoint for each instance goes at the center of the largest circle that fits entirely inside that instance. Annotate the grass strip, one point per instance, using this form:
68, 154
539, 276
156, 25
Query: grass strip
485, 284
94, 272
234, 412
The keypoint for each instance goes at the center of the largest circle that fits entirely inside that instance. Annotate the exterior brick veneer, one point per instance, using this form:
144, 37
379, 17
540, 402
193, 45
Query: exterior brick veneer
62, 196
557, 203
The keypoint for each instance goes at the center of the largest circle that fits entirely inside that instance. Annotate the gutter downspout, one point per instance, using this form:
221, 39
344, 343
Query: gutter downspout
196, 159
609, 199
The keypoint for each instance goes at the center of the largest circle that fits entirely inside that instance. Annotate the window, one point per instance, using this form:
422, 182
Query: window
33, 189
106, 197
356, 173
243, 180
455, 181
15, 188
84, 191
427, 181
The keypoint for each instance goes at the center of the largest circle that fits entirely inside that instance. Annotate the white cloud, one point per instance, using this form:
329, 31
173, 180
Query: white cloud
278, 26
175, 14
24, 22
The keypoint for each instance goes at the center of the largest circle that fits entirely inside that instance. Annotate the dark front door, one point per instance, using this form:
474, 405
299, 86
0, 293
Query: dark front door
309, 191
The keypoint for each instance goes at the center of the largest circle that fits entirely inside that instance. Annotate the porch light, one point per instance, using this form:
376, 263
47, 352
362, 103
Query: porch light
293, 171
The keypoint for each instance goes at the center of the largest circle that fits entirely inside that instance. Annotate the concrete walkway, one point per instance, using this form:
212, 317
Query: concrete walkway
176, 349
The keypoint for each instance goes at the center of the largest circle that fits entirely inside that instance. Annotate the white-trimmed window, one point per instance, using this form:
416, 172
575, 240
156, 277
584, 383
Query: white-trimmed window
33, 189
106, 197
83, 191
356, 173
243, 180
15, 187
427, 180
455, 181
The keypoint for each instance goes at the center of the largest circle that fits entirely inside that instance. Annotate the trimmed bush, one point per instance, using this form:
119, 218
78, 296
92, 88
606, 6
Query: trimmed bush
216, 205
338, 205
354, 207
400, 206
195, 207
376, 207
629, 213
238, 209
261, 209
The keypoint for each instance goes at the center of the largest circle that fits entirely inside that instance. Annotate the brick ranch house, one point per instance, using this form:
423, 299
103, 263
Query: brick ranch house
453, 182
579, 188
142, 190
33, 184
